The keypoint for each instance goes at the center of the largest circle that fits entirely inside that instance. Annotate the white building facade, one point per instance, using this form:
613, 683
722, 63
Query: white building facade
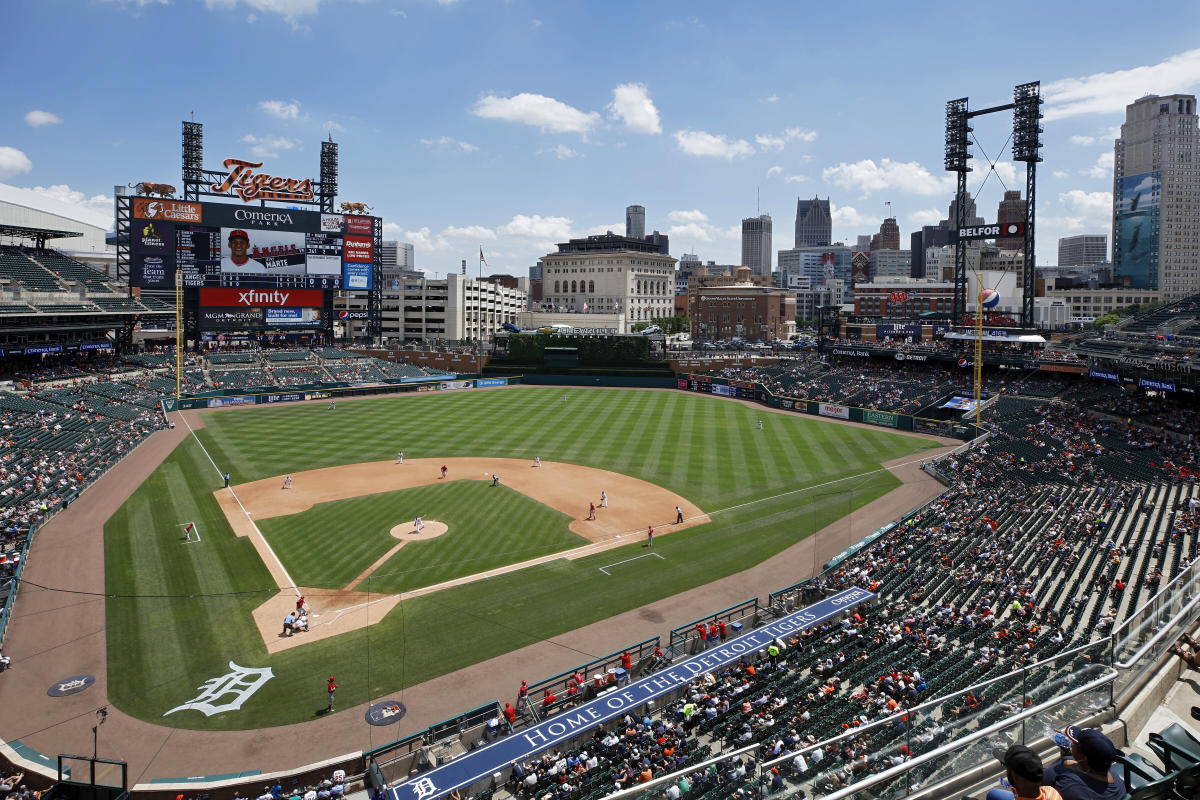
584, 278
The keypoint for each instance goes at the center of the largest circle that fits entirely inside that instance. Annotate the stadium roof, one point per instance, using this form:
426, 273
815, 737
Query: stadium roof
37, 201
22, 232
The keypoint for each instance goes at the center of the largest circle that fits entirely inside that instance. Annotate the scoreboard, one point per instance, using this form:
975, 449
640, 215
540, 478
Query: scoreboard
222, 245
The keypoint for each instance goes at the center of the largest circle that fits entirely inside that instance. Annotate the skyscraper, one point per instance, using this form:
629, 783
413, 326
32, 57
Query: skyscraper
1084, 250
756, 244
888, 237
1012, 209
814, 225
1156, 177
635, 222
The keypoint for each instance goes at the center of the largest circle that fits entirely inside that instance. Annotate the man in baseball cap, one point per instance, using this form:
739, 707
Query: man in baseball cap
1084, 775
238, 259
1024, 773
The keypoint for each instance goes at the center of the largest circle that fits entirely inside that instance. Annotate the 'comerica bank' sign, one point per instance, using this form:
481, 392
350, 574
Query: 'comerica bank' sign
494, 757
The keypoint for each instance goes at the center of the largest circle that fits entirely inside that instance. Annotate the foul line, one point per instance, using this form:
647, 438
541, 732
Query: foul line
290, 583
604, 569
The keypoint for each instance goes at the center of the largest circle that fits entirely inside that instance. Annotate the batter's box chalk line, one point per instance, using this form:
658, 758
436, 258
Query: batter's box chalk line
189, 529
604, 569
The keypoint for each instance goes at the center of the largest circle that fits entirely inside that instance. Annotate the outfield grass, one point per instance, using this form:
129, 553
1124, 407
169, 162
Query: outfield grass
177, 614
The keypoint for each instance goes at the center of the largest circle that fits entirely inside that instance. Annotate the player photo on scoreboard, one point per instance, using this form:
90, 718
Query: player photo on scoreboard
248, 251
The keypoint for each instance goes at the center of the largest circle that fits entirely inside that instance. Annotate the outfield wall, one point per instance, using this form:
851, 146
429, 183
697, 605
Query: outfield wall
747, 390
333, 392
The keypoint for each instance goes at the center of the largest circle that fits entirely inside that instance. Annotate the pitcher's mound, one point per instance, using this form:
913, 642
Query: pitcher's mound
430, 529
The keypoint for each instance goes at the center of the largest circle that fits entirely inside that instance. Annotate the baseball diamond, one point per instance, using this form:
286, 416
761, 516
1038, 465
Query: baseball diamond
517, 566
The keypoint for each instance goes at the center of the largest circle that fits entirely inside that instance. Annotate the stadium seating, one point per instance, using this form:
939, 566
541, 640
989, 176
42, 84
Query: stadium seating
68, 269
15, 266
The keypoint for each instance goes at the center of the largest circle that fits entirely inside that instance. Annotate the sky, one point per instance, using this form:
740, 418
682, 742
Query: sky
515, 124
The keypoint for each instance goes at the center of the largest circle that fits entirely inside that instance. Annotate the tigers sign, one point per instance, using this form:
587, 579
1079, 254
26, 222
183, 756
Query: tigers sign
242, 181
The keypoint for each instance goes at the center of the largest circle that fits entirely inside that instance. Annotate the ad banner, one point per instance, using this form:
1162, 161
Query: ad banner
884, 418
830, 410
262, 298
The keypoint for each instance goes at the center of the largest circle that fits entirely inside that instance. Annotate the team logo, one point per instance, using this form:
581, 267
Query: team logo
239, 685
71, 685
425, 787
343, 315
385, 713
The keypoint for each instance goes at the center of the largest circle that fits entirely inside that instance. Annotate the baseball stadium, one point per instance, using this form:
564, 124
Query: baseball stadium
246, 556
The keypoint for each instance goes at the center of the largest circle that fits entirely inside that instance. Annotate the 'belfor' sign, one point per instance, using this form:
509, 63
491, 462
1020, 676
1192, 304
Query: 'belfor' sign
1004, 229
244, 183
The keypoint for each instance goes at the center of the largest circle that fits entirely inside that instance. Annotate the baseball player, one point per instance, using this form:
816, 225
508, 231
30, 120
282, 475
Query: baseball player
537, 461
287, 482
443, 470
591, 511
400, 457
678, 515
333, 687
418, 523
604, 499
649, 536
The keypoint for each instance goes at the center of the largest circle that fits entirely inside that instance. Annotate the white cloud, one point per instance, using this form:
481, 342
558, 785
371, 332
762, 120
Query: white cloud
13, 162
848, 217
269, 146
1110, 92
772, 99
560, 151
700, 143
803, 134
1082, 141
539, 227
796, 178
1060, 173
979, 169
546, 113
397, 12
597, 230
693, 215
926, 216
868, 177
448, 142
535, 23
690, 232
471, 232
1103, 168
446, 2
290, 10
775, 170
38, 118
632, 105
330, 125
280, 109
1081, 212
770, 142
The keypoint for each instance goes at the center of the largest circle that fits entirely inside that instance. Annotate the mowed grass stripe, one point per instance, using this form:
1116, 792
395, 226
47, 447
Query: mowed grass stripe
160, 649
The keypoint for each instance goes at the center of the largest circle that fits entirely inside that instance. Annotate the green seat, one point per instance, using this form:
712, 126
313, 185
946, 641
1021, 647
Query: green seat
1157, 790
1187, 783
1136, 771
1176, 747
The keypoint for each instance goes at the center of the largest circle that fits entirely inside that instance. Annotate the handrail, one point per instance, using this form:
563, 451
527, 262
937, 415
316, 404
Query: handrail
1159, 634
957, 744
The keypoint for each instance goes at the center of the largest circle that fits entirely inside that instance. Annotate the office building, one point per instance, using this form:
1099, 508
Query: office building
863, 243
888, 237
814, 225
609, 274
882, 297
1011, 209
398, 257
890, 263
756, 244
1156, 178
635, 222
920, 241
1084, 250
742, 309
819, 264
453, 308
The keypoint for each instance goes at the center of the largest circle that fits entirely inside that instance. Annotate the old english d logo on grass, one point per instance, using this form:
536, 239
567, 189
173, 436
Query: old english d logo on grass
240, 684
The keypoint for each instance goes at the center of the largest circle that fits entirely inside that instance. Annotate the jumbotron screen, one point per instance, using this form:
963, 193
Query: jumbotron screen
223, 245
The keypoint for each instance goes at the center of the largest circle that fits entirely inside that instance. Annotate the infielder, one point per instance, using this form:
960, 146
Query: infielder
400, 457
604, 499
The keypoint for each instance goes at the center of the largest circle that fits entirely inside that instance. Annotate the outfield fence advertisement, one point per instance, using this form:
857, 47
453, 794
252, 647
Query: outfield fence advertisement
723, 387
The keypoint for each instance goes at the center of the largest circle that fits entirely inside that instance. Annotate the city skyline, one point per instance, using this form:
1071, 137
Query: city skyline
467, 124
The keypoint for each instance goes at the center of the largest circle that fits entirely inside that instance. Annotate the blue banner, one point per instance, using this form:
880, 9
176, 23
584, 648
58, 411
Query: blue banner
569, 723
1104, 376
96, 346
358, 276
45, 348
1162, 386
481, 382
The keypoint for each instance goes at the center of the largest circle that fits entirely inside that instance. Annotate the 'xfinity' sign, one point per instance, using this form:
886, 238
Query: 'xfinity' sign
494, 757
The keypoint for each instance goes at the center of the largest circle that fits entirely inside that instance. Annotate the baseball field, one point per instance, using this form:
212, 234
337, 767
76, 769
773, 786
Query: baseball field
184, 603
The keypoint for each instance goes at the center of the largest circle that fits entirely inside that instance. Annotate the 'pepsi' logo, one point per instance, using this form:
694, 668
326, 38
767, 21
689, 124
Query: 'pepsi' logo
343, 315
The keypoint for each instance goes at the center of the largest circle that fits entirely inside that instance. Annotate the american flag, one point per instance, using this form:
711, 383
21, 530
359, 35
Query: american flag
482, 260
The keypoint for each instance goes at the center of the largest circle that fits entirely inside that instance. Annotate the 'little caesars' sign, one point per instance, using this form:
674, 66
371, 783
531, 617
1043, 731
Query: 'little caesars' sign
484, 761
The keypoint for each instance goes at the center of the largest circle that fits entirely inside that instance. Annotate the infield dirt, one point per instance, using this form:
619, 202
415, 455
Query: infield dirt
633, 505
